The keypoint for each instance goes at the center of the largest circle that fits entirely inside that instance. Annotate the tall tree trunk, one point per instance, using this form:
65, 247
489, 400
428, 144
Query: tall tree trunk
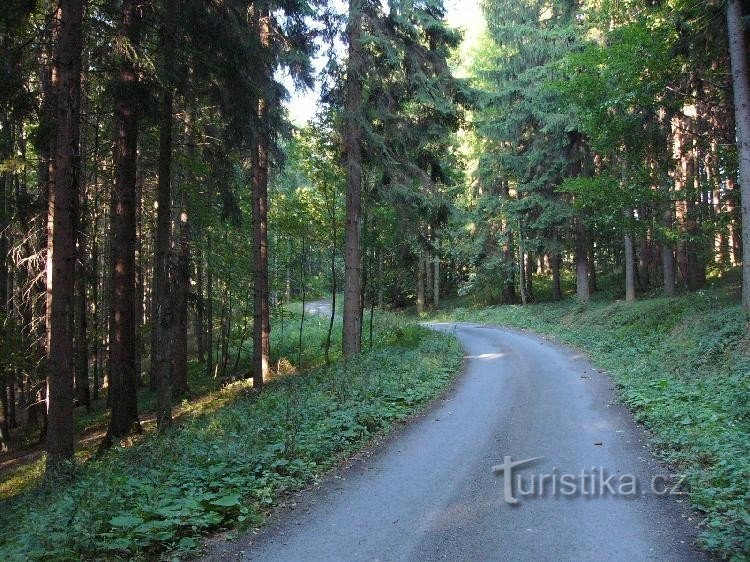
420, 282
261, 311
741, 88
582, 262
122, 376
436, 275
200, 311
182, 285
667, 259
334, 288
521, 265
161, 298
529, 277
556, 283
82, 277
352, 143
61, 258
629, 269
427, 268
6, 149
140, 282
209, 310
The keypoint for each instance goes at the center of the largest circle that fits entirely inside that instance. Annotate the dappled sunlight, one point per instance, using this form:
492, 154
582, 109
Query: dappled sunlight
486, 356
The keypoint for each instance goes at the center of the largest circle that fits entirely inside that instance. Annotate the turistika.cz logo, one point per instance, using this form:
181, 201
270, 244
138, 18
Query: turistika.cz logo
589, 482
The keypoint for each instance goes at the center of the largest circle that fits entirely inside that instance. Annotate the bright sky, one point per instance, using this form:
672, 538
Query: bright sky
463, 14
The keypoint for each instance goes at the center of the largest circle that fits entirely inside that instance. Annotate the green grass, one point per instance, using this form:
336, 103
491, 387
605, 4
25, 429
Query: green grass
683, 367
234, 453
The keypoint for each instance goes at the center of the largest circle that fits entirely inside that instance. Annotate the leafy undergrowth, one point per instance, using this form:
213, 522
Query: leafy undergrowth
683, 367
229, 461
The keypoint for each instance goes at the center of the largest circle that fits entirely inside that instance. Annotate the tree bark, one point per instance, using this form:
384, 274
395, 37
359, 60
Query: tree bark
7, 150
122, 376
741, 88
182, 284
352, 143
161, 299
521, 265
200, 321
556, 282
420, 282
61, 250
629, 269
209, 310
582, 262
83, 395
436, 275
261, 310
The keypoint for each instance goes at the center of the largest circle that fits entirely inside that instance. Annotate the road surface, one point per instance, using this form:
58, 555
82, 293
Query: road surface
429, 492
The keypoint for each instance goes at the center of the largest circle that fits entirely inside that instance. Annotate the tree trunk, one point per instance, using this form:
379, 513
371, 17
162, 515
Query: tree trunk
61, 246
629, 269
741, 88
122, 376
200, 321
334, 288
209, 310
521, 265
182, 287
420, 282
161, 299
556, 283
140, 284
6, 151
436, 275
582, 262
261, 311
529, 277
352, 143
83, 396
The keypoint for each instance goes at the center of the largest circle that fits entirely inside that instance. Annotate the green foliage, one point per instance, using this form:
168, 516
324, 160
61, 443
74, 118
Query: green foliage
226, 469
683, 367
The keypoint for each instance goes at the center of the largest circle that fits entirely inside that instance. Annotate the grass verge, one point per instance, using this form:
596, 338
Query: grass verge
230, 459
683, 367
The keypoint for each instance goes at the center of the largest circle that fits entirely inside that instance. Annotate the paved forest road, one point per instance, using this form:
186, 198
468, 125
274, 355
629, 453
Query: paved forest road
429, 493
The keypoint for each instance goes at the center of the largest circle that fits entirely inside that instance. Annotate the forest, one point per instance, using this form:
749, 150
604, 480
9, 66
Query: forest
209, 303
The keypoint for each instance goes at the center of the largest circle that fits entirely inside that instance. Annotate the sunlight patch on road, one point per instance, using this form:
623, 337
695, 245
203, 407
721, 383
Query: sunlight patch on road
486, 356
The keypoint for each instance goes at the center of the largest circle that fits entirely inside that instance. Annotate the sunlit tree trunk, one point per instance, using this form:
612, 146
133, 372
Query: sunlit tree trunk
61, 246
352, 144
741, 88
261, 310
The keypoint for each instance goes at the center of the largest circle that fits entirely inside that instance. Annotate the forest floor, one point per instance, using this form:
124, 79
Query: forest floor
238, 454
23, 466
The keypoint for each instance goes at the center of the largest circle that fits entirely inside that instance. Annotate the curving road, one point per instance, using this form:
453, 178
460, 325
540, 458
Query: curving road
429, 492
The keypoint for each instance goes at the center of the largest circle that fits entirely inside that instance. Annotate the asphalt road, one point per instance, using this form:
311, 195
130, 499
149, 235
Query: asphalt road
429, 492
